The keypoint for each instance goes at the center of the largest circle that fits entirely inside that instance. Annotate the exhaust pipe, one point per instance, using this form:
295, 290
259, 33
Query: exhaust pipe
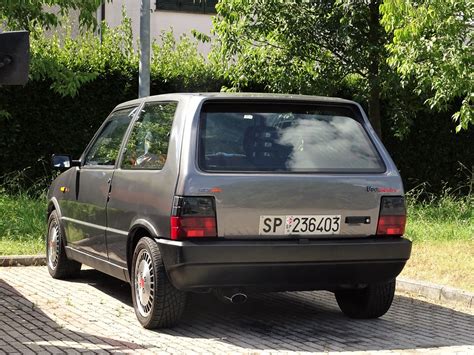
237, 298
233, 296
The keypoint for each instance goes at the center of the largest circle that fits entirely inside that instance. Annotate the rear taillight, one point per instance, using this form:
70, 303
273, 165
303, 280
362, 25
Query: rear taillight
392, 216
193, 217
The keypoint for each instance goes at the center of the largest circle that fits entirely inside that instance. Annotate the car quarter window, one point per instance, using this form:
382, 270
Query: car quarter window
147, 146
105, 149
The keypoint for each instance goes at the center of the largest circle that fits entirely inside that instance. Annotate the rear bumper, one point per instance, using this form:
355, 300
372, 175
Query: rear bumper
283, 265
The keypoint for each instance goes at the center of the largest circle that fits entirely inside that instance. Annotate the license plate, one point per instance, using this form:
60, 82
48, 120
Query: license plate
300, 225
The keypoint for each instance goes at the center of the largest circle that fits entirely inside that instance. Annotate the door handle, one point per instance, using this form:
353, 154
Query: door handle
357, 220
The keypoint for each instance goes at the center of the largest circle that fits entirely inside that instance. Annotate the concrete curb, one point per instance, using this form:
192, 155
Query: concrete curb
430, 291
23, 260
438, 293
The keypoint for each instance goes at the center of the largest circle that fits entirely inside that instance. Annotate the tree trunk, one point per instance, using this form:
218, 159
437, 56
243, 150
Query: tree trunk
374, 105
376, 43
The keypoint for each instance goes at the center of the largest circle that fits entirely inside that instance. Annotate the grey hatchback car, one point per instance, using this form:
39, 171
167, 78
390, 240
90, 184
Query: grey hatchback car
232, 194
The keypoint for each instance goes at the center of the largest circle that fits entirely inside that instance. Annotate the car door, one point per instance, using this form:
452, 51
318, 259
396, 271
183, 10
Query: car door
85, 217
144, 182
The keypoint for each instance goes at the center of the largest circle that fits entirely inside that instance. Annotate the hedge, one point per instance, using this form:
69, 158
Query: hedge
76, 83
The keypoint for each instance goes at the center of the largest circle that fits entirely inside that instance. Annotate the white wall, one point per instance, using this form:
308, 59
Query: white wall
180, 22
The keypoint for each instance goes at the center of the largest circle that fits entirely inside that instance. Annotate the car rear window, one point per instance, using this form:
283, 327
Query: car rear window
275, 137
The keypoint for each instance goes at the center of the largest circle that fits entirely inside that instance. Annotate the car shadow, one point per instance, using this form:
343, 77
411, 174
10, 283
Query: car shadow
307, 321
113, 287
25, 328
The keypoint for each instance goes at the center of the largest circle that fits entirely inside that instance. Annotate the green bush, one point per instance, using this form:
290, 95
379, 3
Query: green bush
75, 83
434, 155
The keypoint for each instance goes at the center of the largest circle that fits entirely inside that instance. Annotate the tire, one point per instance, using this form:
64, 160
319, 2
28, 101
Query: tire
157, 303
371, 302
59, 266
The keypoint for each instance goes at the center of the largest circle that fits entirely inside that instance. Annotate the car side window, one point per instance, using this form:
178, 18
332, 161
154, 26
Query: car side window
104, 151
147, 146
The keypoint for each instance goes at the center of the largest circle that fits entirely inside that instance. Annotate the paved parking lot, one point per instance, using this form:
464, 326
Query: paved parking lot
94, 314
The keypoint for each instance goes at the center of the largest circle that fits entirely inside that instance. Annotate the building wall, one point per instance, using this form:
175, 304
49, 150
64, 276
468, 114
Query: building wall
180, 22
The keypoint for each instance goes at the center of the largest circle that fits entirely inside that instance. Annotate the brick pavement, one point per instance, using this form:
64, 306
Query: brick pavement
93, 314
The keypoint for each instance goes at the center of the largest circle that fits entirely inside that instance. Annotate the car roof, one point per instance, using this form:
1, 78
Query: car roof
231, 96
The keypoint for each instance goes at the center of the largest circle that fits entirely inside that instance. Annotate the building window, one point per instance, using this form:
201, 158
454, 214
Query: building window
195, 6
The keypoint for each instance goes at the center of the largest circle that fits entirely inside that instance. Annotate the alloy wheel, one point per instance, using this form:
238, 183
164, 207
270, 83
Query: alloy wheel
144, 283
53, 245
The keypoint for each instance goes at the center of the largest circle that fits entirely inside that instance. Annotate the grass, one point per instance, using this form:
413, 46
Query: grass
442, 231
22, 247
22, 224
444, 218
449, 263
441, 228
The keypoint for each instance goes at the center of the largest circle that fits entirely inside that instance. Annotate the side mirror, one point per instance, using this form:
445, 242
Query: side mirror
63, 162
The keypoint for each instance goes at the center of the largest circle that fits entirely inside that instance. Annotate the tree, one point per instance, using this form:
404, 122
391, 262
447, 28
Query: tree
299, 46
27, 14
432, 45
